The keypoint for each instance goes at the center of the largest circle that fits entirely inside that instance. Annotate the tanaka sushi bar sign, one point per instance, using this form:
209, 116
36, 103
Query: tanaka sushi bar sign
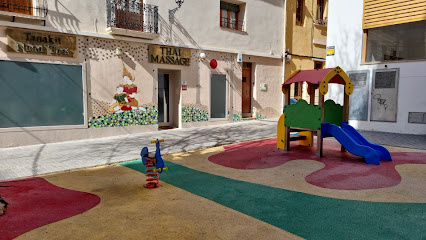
169, 55
43, 43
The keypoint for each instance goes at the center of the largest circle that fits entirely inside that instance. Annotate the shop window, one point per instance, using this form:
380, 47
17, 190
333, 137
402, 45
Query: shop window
396, 42
231, 16
40, 94
299, 11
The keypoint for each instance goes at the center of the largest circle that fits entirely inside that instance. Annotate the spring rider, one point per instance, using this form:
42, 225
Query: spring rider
154, 165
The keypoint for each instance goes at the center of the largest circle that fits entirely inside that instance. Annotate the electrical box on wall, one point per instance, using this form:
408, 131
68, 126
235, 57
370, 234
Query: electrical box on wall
239, 57
263, 87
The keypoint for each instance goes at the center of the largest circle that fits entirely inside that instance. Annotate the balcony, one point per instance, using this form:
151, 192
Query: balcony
233, 24
30, 9
321, 22
132, 18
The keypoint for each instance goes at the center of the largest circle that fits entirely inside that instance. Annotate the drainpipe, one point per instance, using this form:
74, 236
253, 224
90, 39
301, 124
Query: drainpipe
284, 50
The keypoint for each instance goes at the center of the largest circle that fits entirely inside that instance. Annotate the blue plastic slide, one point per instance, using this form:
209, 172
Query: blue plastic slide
355, 143
383, 152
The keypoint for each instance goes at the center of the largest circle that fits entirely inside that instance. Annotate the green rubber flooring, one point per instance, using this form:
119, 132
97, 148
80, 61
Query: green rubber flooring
308, 216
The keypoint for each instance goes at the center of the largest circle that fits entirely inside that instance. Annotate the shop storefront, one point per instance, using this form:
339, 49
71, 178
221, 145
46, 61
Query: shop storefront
61, 87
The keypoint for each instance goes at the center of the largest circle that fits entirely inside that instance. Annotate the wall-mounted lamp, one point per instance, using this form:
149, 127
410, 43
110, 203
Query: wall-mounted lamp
287, 57
118, 52
202, 56
173, 11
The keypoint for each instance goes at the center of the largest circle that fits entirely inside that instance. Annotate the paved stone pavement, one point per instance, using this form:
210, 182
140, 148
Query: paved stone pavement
54, 157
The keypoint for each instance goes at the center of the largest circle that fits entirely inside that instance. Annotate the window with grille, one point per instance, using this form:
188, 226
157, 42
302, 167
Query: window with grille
230, 16
320, 17
299, 11
17, 6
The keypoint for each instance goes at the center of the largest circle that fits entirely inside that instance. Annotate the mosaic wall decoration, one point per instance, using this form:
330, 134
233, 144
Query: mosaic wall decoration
148, 116
258, 116
237, 117
124, 110
195, 113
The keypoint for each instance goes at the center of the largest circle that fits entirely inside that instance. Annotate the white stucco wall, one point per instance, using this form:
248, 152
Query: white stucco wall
196, 23
346, 34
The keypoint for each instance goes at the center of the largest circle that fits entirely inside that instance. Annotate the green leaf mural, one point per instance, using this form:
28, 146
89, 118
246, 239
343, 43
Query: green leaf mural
192, 114
126, 118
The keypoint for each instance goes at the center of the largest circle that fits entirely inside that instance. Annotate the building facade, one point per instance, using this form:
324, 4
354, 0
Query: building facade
85, 69
306, 39
382, 47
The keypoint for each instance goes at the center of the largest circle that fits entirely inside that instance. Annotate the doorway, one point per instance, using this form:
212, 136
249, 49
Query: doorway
163, 100
218, 96
168, 99
246, 90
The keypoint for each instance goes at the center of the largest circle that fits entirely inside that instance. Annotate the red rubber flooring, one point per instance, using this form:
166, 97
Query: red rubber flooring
34, 202
342, 170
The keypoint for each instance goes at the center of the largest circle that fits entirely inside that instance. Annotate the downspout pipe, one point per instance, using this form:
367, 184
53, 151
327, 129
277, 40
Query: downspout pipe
284, 50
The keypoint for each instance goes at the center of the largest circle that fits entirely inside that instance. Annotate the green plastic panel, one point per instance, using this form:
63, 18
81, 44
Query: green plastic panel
333, 112
303, 115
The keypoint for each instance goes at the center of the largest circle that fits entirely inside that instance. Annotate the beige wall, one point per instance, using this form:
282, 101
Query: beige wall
103, 70
267, 71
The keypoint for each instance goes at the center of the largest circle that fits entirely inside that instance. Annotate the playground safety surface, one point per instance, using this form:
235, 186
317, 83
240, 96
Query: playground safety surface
247, 190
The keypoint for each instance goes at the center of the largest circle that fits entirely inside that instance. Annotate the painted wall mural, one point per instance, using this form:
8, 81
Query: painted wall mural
195, 113
124, 110
124, 99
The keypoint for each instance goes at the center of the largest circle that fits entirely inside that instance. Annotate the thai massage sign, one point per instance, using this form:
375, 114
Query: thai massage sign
43, 43
169, 55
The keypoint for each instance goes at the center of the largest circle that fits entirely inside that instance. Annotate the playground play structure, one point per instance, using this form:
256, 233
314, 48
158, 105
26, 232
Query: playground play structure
325, 119
154, 164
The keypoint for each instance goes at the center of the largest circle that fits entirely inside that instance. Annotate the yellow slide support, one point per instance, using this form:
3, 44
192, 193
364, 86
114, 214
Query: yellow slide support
281, 132
281, 135
308, 140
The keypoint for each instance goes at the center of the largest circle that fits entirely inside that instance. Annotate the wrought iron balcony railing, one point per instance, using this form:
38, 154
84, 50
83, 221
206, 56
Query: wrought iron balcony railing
29, 7
132, 15
321, 22
232, 24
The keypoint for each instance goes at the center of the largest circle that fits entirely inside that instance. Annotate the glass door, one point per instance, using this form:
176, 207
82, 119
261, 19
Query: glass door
163, 99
